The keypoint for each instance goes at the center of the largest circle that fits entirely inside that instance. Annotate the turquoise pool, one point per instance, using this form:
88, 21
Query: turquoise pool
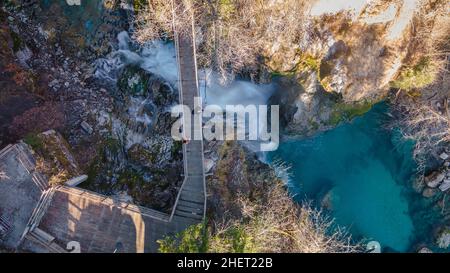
362, 173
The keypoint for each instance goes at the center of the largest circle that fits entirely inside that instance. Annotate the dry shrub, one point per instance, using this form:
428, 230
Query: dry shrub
422, 122
156, 19
280, 225
422, 112
38, 119
230, 33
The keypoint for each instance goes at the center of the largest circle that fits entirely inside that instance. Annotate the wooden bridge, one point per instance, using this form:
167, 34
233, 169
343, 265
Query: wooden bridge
191, 200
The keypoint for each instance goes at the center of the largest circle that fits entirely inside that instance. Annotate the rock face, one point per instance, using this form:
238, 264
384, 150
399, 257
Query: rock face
353, 52
140, 157
304, 109
237, 173
336, 40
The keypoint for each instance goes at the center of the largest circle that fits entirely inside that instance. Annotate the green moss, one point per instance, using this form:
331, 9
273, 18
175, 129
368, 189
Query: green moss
92, 173
418, 76
345, 111
112, 145
314, 125
34, 141
199, 239
134, 81
132, 179
306, 63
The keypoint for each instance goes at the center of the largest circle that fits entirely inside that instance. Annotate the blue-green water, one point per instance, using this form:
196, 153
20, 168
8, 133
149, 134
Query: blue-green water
366, 169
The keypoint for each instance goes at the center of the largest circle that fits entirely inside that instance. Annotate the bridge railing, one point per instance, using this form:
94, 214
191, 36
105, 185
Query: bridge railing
181, 100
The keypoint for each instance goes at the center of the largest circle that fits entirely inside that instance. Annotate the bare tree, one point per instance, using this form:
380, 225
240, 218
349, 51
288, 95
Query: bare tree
231, 35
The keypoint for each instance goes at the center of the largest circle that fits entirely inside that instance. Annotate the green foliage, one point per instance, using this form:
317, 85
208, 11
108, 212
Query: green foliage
233, 240
344, 111
176, 150
418, 76
198, 239
306, 63
192, 240
226, 9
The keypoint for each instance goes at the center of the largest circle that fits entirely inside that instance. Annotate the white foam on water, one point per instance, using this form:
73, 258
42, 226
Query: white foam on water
159, 58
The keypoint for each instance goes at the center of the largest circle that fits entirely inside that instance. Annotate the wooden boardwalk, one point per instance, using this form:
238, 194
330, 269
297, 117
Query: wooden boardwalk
191, 200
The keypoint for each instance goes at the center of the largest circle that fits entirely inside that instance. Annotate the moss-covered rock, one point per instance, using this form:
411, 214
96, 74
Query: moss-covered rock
134, 81
54, 158
138, 154
347, 111
418, 76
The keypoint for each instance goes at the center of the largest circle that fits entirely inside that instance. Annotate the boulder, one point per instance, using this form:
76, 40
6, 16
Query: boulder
443, 156
134, 81
443, 239
434, 179
425, 250
445, 185
429, 192
329, 199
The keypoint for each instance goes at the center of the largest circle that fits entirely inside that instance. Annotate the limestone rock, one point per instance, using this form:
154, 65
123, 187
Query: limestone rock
429, 192
443, 156
445, 185
434, 179
443, 240
425, 250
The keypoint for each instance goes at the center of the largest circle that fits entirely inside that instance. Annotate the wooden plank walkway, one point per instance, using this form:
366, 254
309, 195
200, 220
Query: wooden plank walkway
191, 200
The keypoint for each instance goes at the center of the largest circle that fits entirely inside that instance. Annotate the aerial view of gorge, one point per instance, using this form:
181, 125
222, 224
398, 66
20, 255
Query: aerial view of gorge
224, 126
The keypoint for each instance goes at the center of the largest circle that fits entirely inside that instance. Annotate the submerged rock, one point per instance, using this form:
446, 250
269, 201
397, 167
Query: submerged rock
434, 179
429, 192
425, 250
327, 200
443, 239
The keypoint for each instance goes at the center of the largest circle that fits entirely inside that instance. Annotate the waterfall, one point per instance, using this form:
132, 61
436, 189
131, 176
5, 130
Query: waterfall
159, 58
